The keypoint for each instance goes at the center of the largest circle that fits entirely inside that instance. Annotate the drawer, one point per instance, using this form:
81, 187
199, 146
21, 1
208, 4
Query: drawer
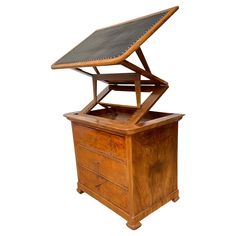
104, 188
110, 144
113, 170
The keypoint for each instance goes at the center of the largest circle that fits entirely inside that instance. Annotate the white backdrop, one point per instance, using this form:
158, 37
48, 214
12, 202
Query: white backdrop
194, 51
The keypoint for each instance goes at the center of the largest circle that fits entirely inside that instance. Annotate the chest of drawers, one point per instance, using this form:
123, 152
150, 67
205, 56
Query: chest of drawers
133, 172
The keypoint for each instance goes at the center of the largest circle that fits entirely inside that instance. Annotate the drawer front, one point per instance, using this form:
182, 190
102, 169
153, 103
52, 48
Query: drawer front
107, 143
104, 188
111, 169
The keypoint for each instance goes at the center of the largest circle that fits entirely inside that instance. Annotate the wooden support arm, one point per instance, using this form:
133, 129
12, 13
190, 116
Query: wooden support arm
138, 92
96, 70
148, 103
143, 59
145, 73
93, 103
132, 88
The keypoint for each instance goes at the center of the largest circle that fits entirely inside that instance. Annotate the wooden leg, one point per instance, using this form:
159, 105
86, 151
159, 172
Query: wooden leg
176, 198
133, 225
79, 190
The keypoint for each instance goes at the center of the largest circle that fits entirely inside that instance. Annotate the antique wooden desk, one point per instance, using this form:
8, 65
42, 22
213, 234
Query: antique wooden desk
126, 156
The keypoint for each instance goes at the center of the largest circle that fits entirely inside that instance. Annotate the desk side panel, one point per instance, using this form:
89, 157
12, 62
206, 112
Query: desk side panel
154, 161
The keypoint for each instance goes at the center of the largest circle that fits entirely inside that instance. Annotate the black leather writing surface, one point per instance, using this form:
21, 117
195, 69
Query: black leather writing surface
111, 42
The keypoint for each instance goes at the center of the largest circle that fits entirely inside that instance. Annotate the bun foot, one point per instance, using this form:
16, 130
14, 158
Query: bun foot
175, 199
79, 191
133, 226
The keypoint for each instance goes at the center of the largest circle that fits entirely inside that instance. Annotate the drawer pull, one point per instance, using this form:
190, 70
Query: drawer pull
97, 166
98, 185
